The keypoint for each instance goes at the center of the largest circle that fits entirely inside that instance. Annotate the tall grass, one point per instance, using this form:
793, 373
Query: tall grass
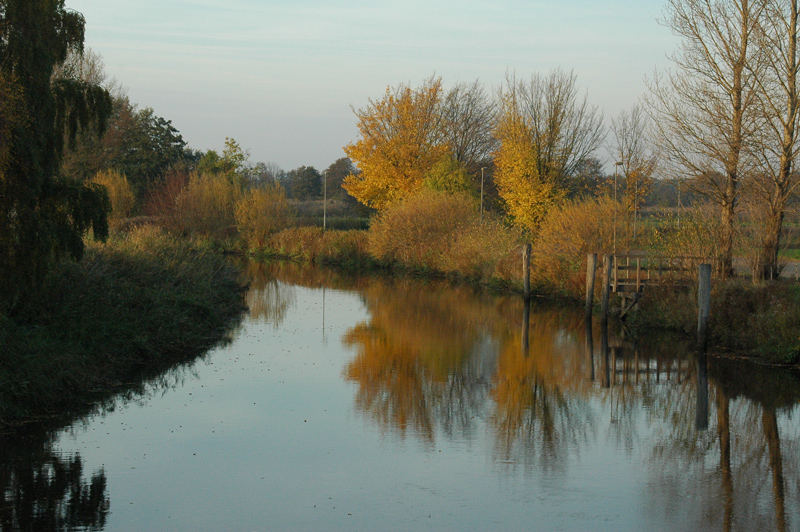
119, 192
206, 206
261, 212
567, 234
138, 303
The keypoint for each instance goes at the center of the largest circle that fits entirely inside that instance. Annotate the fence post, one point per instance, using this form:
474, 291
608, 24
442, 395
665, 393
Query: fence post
703, 304
608, 261
526, 271
591, 268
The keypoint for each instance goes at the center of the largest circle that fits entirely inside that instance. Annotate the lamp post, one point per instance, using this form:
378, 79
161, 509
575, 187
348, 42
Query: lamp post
482, 169
614, 244
324, 200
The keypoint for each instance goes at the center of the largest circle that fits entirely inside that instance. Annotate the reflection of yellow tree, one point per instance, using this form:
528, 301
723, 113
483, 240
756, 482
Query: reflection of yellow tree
411, 365
540, 393
268, 299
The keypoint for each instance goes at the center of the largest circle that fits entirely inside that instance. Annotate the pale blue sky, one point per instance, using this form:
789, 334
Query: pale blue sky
281, 76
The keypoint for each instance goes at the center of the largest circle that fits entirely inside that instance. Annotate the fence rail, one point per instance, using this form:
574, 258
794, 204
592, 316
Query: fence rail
631, 273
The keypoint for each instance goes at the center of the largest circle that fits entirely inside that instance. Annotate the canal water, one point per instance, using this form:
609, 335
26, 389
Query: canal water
345, 403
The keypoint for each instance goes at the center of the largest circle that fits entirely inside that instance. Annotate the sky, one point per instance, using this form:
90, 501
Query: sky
283, 77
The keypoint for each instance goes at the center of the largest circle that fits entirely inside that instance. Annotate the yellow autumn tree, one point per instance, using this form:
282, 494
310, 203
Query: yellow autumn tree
402, 139
119, 192
526, 194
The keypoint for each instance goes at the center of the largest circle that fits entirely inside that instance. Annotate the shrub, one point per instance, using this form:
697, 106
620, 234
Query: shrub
415, 231
315, 245
261, 212
161, 199
697, 232
206, 205
119, 192
567, 234
443, 232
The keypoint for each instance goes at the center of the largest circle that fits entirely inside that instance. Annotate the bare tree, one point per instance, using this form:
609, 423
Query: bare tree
633, 148
469, 118
774, 183
705, 109
565, 129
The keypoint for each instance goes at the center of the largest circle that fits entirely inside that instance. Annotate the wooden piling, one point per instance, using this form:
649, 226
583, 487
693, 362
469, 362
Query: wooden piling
607, 265
703, 304
526, 271
591, 268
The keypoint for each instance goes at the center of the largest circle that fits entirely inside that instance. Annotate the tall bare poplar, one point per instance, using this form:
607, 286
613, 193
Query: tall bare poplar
564, 129
469, 117
633, 148
705, 108
777, 148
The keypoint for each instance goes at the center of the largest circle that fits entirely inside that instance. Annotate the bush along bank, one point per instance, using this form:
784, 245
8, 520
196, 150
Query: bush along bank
761, 322
131, 308
443, 235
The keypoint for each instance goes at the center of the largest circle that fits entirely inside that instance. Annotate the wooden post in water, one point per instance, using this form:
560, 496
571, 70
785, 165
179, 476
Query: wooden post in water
607, 265
526, 271
703, 304
591, 267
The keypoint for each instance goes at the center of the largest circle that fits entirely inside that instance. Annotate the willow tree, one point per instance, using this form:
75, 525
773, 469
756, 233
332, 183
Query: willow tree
706, 108
42, 217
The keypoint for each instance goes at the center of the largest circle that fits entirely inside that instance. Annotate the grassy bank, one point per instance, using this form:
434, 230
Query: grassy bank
131, 308
753, 321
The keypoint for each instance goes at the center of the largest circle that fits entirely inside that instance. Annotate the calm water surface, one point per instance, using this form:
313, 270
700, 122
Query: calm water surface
371, 404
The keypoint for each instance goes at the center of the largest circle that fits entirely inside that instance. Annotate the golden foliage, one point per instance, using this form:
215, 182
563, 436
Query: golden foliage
527, 195
261, 212
315, 245
119, 192
206, 205
568, 234
441, 231
402, 138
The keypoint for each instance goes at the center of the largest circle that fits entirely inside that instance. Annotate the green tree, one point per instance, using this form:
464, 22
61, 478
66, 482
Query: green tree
304, 182
137, 143
43, 216
336, 174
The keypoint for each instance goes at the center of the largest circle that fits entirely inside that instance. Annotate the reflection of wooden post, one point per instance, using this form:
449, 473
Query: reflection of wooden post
701, 410
604, 353
526, 271
591, 267
526, 324
703, 304
607, 264
590, 346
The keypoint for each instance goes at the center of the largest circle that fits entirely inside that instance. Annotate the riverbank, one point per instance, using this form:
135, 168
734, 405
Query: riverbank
131, 308
761, 322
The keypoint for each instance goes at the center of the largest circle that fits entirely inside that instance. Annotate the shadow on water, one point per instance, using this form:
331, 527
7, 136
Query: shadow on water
42, 490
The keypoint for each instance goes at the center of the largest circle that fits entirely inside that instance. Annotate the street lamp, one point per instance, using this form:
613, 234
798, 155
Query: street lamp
614, 245
482, 169
324, 200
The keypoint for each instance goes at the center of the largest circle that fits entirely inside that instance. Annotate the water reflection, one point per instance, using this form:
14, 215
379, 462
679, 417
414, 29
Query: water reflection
433, 360
42, 490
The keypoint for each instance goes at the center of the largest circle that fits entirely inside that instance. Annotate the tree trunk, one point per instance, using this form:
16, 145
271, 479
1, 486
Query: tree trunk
770, 423
725, 264
772, 239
